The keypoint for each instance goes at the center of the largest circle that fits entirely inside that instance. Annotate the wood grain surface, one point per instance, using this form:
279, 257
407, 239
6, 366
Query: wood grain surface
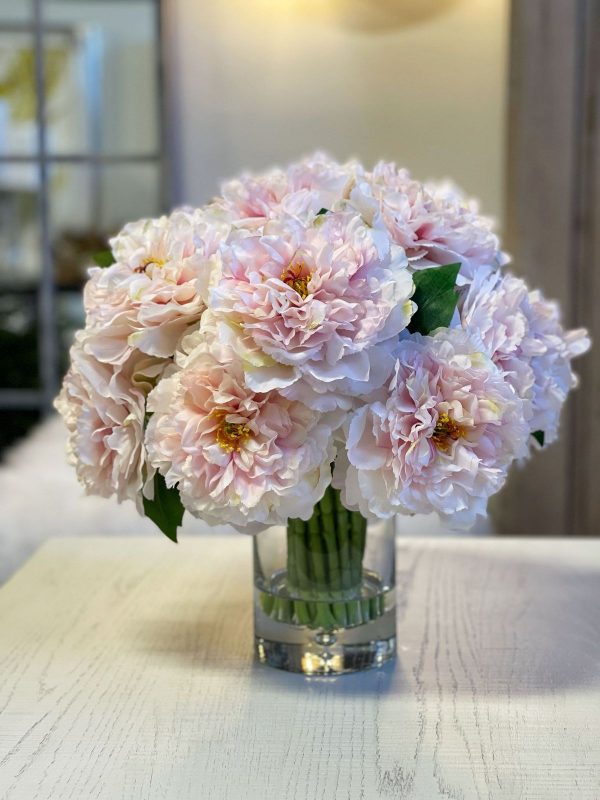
126, 671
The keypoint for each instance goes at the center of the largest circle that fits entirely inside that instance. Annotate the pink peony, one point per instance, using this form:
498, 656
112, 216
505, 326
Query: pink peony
157, 287
300, 191
312, 302
103, 410
522, 333
237, 456
436, 225
441, 439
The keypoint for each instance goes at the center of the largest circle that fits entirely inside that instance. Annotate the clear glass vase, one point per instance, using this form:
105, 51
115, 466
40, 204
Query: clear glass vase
324, 592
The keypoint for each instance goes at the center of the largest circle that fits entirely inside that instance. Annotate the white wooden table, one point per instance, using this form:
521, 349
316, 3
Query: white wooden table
126, 672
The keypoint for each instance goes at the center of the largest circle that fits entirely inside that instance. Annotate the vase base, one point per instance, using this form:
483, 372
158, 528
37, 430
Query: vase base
283, 642
299, 648
315, 659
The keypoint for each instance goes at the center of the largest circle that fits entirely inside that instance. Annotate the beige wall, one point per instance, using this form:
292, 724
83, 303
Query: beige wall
269, 80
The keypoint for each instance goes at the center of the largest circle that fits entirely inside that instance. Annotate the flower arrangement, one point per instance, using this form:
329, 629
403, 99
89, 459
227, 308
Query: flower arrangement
319, 334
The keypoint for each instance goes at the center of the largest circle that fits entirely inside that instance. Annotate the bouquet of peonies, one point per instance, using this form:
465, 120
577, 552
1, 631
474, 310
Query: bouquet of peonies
315, 326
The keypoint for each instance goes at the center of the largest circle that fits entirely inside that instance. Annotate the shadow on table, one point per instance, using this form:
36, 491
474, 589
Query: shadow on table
467, 623
222, 643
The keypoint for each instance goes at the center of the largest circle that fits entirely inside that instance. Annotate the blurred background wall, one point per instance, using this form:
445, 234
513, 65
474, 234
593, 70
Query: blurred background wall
421, 83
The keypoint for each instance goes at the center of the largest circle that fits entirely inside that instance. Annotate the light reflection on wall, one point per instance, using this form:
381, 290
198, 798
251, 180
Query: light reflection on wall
366, 14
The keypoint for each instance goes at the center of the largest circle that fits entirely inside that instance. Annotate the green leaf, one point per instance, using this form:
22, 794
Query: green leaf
322, 211
436, 298
539, 437
166, 509
104, 258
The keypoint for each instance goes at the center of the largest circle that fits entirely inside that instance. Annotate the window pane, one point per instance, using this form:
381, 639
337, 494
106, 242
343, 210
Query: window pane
89, 204
130, 192
17, 80
76, 225
101, 71
11, 12
19, 226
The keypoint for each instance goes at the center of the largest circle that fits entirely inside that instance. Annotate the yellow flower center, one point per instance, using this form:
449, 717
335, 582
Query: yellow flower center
445, 432
297, 277
231, 435
158, 262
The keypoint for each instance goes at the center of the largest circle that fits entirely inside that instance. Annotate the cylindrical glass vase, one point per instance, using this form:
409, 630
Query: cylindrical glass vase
324, 592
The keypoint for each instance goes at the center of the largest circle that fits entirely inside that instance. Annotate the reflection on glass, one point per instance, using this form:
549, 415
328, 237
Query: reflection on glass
19, 226
103, 56
89, 204
18, 105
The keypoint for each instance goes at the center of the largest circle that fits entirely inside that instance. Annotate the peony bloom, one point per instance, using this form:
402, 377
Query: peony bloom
158, 286
494, 308
522, 333
237, 456
103, 410
435, 225
251, 200
313, 303
441, 439
301, 191
554, 348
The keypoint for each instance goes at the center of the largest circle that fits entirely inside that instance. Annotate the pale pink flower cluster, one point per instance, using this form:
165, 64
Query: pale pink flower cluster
256, 457
240, 349
104, 409
439, 438
157, 286
300, 191
310, 304
522, 333
436, 225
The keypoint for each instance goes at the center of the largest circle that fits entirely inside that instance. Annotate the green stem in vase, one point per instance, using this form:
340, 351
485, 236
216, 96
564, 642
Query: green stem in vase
343, 538
317, 552
325, 569
327, 511
298, 570
358, 541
